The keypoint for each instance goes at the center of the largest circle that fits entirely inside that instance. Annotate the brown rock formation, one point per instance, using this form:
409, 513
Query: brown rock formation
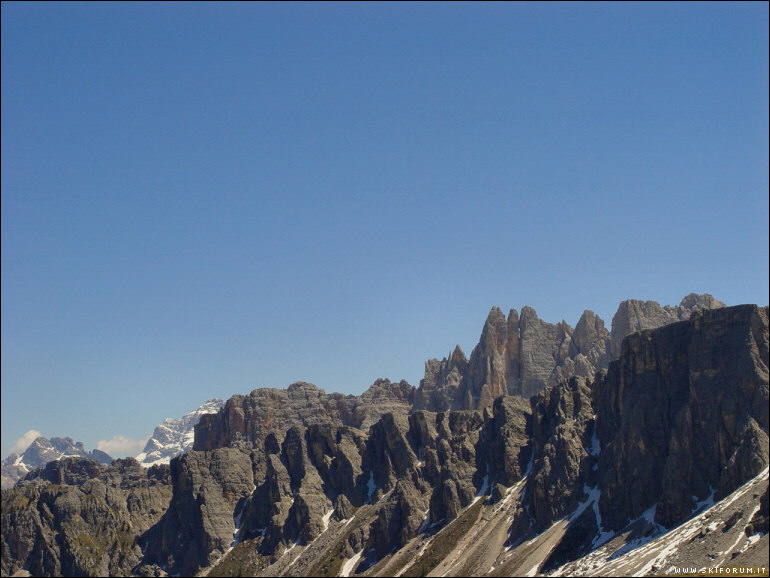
521, 355
94, 528
246, 420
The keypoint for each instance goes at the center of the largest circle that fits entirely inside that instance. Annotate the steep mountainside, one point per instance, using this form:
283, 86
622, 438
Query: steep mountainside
685, 412
246, 420
661, 459
40, 452
75, 518
521, 355
175, 436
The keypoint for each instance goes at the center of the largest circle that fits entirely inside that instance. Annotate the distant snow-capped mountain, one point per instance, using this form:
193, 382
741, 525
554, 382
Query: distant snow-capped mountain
43, 450
170, 438
175, 436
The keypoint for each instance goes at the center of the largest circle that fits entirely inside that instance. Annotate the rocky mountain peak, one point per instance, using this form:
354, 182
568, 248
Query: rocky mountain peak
42, 451
635, 315
528, 315
686, 400
457, 357
383, 388
303, 388
246, 421
589, 330
175, 436
523, 354
694, 301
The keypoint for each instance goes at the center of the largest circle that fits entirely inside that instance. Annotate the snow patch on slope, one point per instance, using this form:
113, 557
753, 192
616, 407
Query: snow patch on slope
349, 565
660, 551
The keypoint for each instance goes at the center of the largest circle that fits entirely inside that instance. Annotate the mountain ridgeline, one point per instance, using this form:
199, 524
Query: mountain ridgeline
175, 436
521, 355
550, 449
42, 451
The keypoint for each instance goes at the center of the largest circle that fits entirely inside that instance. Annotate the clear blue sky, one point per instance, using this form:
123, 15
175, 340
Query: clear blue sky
201, 199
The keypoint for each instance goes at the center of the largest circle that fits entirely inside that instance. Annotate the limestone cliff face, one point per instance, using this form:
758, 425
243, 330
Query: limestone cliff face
404, 473
634, 315
506, 440
439, 388
618, 447
246, 420
562, 426
683, 411
277, 460
198, 525
522, 354
73, 518
517, 355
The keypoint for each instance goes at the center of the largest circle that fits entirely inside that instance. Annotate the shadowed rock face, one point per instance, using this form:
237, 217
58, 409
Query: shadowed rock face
506, 439
198, 525
683, 410
406, 471
281, 458
683, 413
521, 355
562, 425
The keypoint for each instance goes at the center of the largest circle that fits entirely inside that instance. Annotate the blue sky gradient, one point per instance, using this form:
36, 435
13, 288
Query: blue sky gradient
198, 200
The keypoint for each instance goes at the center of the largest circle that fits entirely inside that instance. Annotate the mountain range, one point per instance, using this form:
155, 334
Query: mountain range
550, 450
43, 450
169, 439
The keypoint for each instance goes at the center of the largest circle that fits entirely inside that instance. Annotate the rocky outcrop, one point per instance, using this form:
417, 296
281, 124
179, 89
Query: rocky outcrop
452, 467
562, 427
517, 355
684, 411
588, 349
521, 355
198, 526
381, 398
42, 451
66, 471
634, 315
246, 420
296, 451
506, 440
94, 528
403, 474
440, 386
